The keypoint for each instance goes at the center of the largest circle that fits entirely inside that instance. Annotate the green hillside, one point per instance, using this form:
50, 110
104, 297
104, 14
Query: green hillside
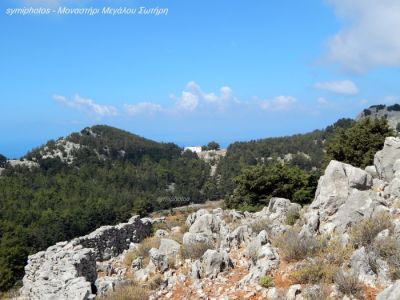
107, 176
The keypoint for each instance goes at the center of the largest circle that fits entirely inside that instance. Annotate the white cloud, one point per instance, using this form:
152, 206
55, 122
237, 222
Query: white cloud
278, 103
322, 101
193, 96
142, 107
369, 37
86, 105
346, 87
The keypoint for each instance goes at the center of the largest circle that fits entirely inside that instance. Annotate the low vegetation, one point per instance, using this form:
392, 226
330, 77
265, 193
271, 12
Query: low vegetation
259, 225
133, 291
364, 232
142, 251
196, 250
348, 284
294, 247
266, 281
292, 216
313, 273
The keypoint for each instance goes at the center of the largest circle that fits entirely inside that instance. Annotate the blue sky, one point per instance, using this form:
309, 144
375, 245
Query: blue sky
208, 70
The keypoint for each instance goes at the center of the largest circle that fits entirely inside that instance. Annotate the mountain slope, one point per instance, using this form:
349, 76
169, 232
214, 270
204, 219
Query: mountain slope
390, 112
98, 176
303, 150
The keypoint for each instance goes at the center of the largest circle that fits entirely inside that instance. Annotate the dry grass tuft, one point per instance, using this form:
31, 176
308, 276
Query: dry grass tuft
364, 232
195, 250
128, 292
294, 247
260, 224
314, 273
348, 284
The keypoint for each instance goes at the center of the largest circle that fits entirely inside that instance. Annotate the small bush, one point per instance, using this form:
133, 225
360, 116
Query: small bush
348, 284
172, 262
128, 292
129, 257
292, 216
364, 232
334, 252
389, 249
313, 273
266, 281
259, 225
294, 247
155, 281
196, 250
142, 250
146, 245
316, 294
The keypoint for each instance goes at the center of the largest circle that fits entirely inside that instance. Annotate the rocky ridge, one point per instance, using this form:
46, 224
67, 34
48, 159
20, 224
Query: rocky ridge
68, 270
344, 245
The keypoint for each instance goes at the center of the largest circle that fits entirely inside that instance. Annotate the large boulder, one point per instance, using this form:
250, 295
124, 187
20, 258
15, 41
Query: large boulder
60, 273
385, 159
266, 260
190, 239
67, 270
215, 262
194, 216
160, 260
254, 246
169, 247
390, 293
207, 223
343, 196
239, 235
360, 265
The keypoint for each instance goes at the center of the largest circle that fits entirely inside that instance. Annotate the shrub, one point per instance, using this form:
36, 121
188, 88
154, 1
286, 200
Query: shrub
172, 262
316, 293
358, 144
257, 184
259, 225
128, 292
266, 281
196, 250
142, 250
146, 245
364, 232
292, 216
294, 247
348, 284
129, 257
388, 249
333, 252
155, 281
313, 273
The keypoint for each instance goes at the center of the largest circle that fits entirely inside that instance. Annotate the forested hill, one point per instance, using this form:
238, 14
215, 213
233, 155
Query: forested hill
104, 142
305, 151
101, 175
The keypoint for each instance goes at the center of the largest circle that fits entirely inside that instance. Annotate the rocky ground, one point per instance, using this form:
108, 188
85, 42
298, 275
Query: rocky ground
344, 245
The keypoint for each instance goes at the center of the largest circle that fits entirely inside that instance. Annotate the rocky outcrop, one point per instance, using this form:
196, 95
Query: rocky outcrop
67, 270
234, 254
343, 196
390, 293
385, 159
214, 262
